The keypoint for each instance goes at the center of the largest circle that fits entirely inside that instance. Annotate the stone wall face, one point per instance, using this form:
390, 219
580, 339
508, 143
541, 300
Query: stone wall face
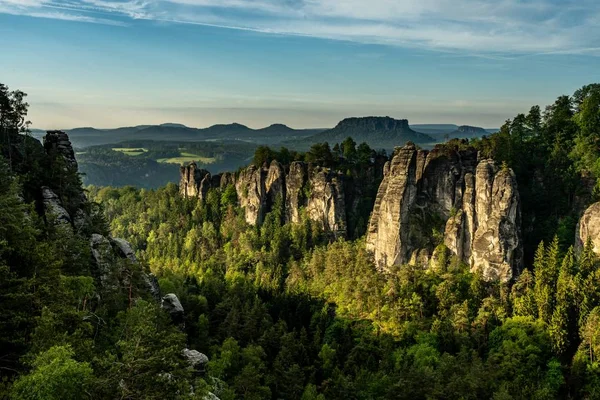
477, 202
588, 229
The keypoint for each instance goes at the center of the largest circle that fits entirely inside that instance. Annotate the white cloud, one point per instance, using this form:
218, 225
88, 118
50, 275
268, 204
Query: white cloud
489, 27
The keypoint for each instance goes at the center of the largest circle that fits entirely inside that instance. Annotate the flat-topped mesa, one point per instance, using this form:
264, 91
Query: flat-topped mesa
374, 123
473, 204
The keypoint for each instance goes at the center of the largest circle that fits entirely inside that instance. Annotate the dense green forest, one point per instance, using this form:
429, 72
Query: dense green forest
152, 164
284, 312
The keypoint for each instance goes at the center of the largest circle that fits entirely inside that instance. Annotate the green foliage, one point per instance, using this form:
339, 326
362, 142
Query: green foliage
283, 312
55, 376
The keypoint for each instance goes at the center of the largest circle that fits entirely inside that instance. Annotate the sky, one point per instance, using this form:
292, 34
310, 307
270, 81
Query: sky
304, 63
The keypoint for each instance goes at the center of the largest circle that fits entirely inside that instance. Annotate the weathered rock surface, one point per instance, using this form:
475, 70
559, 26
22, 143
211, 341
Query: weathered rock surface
294, 185
195, 181
152, 285
326, 202
124, 249
472, 203
387, 236
104, 259
252, 194
227, 178
496, 248
325, 194
171, 304
275, 184
53, 206
589, 228
106, 253
58, 143
195, 359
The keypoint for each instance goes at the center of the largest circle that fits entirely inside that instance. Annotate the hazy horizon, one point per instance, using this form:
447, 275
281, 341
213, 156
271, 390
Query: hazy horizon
33, 126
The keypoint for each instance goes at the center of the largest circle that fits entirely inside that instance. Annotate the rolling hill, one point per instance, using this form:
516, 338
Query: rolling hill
274, 134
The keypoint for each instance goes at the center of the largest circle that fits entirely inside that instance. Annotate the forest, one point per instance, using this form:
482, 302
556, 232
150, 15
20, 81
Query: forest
151, 164
282, 310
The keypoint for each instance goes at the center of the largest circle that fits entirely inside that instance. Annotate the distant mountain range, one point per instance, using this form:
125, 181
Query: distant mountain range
439, 130
379, 132
276, 133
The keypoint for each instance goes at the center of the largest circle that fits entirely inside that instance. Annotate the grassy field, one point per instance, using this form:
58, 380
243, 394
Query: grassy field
130, 151
187, 157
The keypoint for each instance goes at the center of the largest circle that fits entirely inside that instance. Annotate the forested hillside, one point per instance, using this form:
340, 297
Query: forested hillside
284, 309
80, 316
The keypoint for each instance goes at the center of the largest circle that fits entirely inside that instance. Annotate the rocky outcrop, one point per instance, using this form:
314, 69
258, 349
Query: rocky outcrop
275, 183
195, 181
495, 248
588, 229
227, 178
294, 185
53, 207
326, 201
324, 193
472, 203
195, 359
124, 249
71, 209
388, 231
58, 143
171, 304
104, 260
251, 190
106, 254
320, 191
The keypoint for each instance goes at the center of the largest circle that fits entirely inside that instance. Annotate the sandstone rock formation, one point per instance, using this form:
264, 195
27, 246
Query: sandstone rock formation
319, 190
275, 183
295, 196
195, 359
104, 260
472, 204
124, 249
227, 179
194, 182
106, 253
251, 190
589, 228
329, 197
171, 304
58, 143
73, 210
53, 206
326, 203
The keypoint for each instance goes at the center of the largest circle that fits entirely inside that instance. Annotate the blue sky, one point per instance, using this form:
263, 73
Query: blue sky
306, 63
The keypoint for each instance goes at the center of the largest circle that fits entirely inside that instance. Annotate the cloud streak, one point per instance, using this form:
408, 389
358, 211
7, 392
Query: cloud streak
487, 27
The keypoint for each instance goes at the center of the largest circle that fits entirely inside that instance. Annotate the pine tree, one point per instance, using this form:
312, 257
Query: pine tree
523, 295
563, 313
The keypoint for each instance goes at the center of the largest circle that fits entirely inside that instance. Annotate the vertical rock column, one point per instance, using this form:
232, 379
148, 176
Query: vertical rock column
388, 232
251, 191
